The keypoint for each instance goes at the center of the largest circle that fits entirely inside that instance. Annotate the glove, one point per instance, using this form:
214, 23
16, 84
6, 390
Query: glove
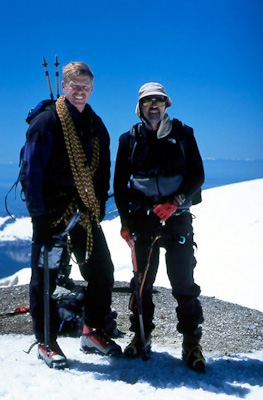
165, 210
42, 232
126, 235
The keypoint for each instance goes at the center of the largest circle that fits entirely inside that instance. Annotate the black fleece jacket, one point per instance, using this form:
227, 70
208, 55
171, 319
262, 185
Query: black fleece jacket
153, 157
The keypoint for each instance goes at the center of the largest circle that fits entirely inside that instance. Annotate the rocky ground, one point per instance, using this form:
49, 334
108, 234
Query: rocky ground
228, 328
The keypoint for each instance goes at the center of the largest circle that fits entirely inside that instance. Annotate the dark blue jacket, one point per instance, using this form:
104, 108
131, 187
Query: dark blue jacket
46, 175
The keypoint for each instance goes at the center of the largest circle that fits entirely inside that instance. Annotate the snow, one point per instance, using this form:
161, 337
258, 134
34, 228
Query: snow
228, 230
229, 233
20, 229
164, 376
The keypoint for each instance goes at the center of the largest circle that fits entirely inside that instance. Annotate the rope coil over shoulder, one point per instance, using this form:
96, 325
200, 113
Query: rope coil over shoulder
81, 171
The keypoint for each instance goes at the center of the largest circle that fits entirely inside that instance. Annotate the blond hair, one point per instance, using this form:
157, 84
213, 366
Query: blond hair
77, 69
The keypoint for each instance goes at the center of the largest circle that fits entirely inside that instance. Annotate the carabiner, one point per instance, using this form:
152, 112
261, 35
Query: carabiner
182, 240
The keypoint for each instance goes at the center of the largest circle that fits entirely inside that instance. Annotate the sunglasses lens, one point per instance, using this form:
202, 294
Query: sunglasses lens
150, 101
160, 103
146, 102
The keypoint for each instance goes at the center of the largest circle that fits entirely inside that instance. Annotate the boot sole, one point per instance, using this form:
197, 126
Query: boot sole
55, 364
134, 352
94, 350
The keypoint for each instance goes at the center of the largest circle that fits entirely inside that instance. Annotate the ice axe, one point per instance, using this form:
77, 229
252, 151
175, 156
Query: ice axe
137, 285
46, 302
59, 242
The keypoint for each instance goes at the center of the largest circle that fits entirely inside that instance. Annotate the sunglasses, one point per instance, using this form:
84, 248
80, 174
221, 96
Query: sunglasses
149, 101
79, 88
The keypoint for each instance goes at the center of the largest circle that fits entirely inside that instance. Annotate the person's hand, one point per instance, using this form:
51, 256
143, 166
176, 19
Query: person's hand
178, 199
126, 235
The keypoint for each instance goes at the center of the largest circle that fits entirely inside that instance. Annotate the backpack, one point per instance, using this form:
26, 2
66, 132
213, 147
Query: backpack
70, 314
38, 109
70, 318
181, 139
42, 106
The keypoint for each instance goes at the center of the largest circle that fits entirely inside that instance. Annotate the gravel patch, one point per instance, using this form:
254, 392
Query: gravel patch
228, 328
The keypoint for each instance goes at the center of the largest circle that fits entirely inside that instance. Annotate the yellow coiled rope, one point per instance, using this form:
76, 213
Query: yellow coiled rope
81, 171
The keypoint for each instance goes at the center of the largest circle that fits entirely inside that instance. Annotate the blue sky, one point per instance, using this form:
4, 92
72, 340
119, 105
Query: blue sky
207, 53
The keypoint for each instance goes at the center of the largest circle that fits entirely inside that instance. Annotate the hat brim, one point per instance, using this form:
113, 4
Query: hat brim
157, 93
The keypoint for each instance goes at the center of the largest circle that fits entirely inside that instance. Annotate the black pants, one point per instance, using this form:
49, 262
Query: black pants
97, 271
176, 236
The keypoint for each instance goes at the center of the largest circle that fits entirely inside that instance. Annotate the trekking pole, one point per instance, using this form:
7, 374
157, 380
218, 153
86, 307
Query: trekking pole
144, 355
46, 302
45, 64
57, 75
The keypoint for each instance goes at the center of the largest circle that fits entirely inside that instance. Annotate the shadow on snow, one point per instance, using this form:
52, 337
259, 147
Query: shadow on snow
163, 371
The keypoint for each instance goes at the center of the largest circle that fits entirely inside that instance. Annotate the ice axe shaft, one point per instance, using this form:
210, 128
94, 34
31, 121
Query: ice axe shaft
139, 302
46, 302
59, 238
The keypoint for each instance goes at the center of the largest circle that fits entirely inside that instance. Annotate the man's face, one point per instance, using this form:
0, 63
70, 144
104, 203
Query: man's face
153, 108
78, 91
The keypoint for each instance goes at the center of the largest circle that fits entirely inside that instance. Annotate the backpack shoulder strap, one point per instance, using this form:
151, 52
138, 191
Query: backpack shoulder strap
179, 128
15, 184
181, 131
134, 132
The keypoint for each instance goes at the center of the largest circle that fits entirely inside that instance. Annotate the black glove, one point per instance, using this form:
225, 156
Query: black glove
42, 232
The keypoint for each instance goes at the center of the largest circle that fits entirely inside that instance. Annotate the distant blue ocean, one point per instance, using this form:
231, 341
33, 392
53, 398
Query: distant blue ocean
225, 172
217, 173
16, 255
